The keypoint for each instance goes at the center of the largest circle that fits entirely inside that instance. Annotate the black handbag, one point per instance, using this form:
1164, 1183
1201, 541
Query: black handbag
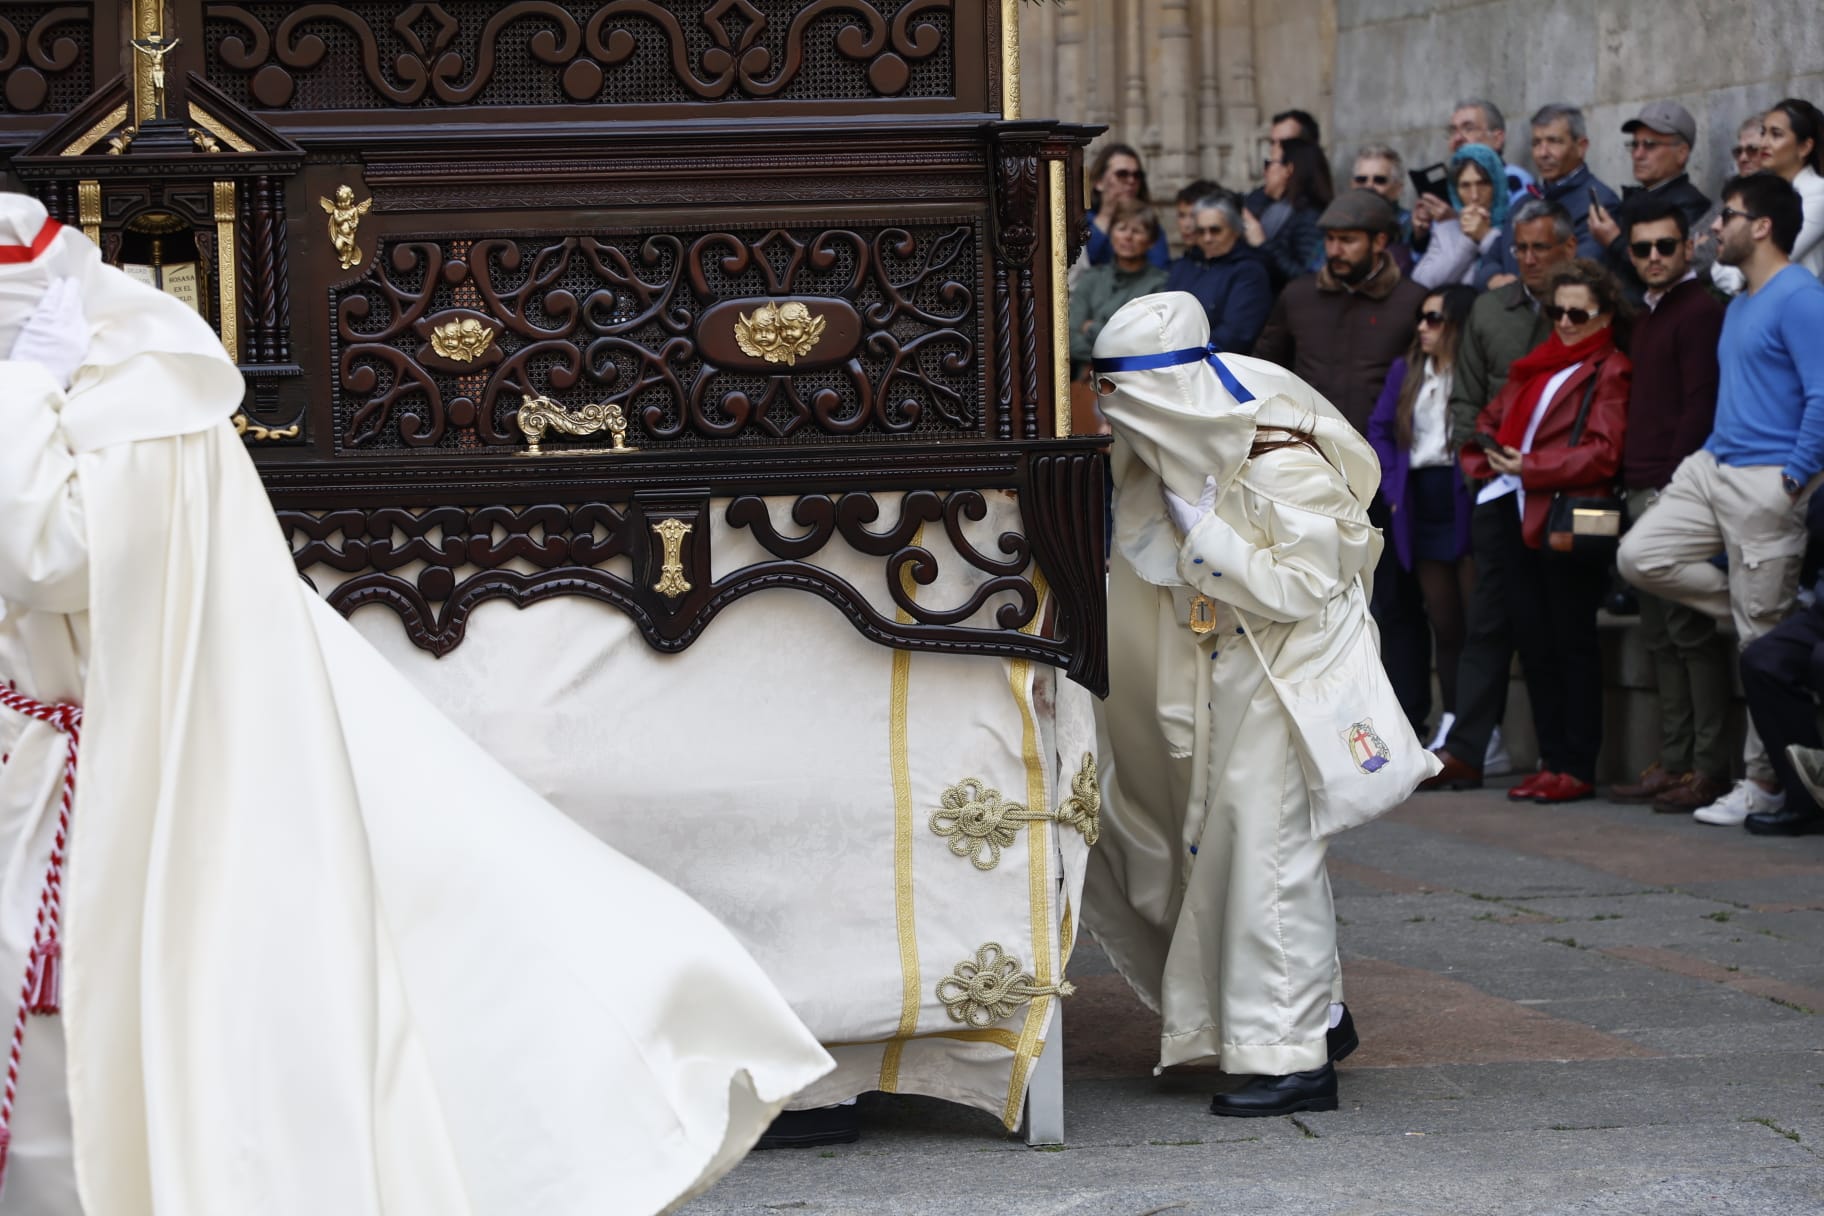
1586, 525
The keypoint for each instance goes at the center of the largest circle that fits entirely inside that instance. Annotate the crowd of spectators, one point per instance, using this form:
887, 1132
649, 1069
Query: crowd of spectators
1568, 387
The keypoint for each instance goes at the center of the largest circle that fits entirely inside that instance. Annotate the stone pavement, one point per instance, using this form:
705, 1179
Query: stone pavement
1577, 1010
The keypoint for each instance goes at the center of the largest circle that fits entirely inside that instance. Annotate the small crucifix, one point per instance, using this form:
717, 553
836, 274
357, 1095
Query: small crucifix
155, 48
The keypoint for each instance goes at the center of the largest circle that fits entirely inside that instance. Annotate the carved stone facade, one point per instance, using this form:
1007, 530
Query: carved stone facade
1188, 82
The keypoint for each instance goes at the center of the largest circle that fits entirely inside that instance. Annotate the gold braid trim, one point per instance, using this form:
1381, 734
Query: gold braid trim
990, 987
1083, 809
978, 822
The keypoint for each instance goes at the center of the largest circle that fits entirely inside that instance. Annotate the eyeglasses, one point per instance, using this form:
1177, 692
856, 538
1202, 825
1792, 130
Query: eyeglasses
1126, 175
1374, 179
1730, 213
1576, 316
1531, 251
1741, 150
1432, 317
1665, 246
1210, 230
1645, 145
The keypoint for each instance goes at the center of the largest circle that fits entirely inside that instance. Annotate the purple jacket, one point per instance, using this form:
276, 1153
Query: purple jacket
1395, 468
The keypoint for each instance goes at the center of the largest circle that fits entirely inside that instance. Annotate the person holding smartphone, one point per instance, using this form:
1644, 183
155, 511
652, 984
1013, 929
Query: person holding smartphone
1478, 220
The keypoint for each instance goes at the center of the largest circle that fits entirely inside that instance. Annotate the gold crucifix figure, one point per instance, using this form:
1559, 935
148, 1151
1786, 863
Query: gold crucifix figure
155, 47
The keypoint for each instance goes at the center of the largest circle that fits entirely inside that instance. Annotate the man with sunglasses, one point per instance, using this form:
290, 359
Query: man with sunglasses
1381, 169
1744, 493
1670, 411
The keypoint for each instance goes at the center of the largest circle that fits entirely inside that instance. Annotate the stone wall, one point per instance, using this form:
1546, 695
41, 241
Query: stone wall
1400, 64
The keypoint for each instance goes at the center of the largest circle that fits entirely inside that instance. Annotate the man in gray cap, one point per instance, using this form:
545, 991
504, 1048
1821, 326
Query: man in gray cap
1340, 331
1661, 138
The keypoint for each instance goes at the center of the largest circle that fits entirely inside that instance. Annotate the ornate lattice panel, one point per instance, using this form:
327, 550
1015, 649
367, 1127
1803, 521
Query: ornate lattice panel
739, 337
317, 57
47, 54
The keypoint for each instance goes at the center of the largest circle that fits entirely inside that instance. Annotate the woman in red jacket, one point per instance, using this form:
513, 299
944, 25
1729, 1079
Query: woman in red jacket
1554, 596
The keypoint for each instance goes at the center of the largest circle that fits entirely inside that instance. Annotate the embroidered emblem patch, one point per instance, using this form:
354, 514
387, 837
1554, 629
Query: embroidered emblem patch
1366, 748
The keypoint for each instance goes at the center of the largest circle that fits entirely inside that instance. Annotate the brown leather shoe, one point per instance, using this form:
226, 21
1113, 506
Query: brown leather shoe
1455, 775
1654, 781
1694, 791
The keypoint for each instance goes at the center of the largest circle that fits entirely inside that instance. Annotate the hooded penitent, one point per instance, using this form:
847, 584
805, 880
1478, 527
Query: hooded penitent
319, 952
1235, 948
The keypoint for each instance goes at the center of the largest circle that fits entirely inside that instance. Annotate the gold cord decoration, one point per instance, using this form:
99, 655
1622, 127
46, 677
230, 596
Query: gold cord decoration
978, 823
990, 987
1083, 809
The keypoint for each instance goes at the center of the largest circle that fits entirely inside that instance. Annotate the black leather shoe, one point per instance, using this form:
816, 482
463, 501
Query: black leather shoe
1784, 823
1287, 1095
810, 1128
1341, 1037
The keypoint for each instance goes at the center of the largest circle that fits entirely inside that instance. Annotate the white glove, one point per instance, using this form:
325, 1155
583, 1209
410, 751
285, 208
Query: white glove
1188, 515
57, 335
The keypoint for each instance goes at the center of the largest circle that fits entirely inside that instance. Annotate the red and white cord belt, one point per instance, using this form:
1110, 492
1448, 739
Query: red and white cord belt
40, 992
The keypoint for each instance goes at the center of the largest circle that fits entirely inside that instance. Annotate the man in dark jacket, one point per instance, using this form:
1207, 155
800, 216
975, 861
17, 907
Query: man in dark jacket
1670, 412
1341, 328
1227, 275
1660, 142
1560, 142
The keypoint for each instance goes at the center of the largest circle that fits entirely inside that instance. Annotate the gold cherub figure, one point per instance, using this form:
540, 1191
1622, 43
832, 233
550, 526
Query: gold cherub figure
778, 333
344, 217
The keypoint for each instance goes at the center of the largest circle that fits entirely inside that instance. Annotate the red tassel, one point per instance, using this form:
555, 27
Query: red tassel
47, 978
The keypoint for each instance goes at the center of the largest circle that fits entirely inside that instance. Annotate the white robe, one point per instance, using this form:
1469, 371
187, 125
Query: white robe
1209, 890
321, 953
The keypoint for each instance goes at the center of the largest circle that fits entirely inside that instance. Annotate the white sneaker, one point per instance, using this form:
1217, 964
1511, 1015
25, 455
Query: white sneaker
1444, 724
1747, 798
1497, 763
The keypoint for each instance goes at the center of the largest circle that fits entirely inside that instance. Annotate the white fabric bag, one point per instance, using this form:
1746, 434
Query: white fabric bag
1360, 755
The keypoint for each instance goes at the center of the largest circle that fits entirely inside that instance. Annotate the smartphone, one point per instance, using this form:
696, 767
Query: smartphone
1433, 180
1487, 442
1595, 201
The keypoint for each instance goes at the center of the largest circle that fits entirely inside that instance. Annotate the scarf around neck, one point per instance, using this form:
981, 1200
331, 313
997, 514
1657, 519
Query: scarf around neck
1535, 369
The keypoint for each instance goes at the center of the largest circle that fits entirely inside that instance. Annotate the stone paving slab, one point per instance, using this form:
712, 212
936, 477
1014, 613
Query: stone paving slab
1564, 1012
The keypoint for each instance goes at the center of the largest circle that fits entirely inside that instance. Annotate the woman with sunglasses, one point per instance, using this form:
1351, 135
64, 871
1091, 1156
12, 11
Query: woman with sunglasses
1457, 244
1116, 174
1429, 527
1228, 276
1530, 447
1296, 191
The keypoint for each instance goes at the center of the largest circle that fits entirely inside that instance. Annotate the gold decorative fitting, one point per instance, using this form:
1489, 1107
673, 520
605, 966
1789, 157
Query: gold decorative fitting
344, 217
89, 138
781, 333
227, 292
1010, 59
88, 208
1083, 809
216, 127
540, 414
247, 428
671, 582
978, 823
204, 141
1060, 306
121, 140
990, 987
464, 339
1203, 614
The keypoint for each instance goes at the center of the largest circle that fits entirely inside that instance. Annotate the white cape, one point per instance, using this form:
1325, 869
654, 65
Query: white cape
321, 953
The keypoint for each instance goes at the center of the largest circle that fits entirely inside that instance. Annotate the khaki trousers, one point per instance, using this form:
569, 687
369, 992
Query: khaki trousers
1741, 512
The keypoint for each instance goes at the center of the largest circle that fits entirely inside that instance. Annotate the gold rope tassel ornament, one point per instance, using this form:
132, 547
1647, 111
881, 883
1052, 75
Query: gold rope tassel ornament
991, 987
1083, 809
978, 822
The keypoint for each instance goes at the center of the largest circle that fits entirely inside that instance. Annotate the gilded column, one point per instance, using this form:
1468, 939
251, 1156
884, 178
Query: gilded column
148, 20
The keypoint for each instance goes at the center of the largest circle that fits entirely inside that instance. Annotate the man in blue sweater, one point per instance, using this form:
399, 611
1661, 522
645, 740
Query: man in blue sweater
1744, 493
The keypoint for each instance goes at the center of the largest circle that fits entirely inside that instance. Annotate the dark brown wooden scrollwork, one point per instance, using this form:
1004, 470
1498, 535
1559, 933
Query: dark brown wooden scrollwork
621, 319
466, 556
45, 58
466, 52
